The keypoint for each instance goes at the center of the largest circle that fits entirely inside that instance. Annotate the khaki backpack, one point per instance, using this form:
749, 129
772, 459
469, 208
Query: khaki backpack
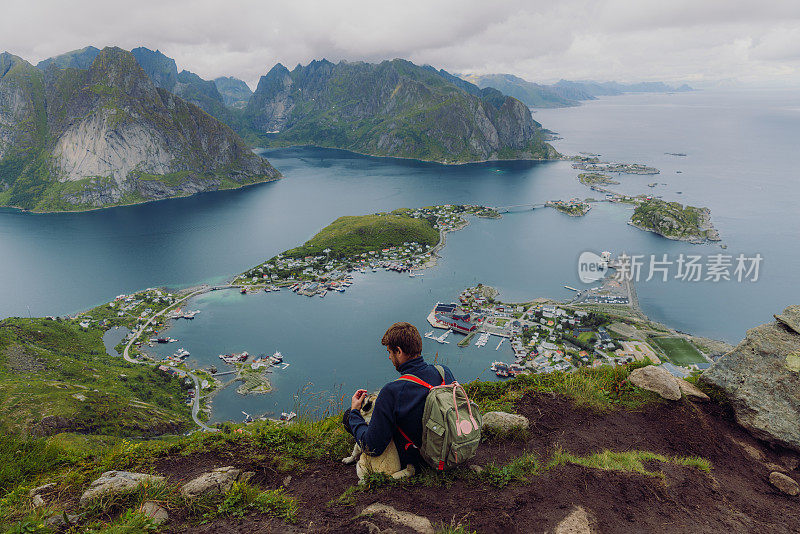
451, 424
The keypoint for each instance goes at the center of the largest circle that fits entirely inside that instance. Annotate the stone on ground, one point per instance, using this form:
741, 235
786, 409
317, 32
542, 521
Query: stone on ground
504, 422
60, 520
114, 482
784, 483
579, 521
157, 513
761, 380
217, 481
657, 379
691, 391
414, 522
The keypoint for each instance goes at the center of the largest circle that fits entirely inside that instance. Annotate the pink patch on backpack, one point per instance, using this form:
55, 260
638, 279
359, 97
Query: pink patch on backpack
465, 426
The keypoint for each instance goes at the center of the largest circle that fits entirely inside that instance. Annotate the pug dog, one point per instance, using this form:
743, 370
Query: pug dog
388, 462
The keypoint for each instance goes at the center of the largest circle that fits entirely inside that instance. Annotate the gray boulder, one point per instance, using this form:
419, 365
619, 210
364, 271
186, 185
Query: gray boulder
220, 480
579, 521
61, 520
504, 422
761, 379
114, 482
691, 391
412, 521
155, 512
657, 379
784, 483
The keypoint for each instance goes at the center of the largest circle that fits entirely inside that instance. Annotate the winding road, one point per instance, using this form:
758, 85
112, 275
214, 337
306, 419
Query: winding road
138, 333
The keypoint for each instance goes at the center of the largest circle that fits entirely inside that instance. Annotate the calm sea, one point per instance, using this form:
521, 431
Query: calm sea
739, 147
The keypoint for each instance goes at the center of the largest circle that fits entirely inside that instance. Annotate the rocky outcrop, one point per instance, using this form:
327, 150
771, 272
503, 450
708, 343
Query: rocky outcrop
393, 108
109, 135
116, 482
657, 379
761, 379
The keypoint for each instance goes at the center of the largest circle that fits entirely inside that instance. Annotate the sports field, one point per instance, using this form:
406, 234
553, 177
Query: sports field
678, 350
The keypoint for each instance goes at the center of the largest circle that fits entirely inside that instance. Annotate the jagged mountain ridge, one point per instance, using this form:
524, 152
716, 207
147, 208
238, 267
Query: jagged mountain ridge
235, 92
393, 108
77, 139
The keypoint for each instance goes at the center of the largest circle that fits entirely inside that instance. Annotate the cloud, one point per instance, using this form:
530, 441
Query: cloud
541, 41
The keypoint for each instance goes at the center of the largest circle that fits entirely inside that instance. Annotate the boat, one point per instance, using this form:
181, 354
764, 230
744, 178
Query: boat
322, 295
190, 314
277, 357
181, 353
243, 291
288, 416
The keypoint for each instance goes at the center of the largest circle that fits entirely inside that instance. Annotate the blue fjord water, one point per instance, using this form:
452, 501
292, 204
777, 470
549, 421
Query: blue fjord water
739, 161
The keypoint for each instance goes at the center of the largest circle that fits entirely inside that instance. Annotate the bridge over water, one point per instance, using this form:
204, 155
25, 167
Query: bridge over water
518, 207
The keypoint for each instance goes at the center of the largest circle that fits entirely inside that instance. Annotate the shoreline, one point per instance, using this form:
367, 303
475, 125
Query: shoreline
87, 210
560, 157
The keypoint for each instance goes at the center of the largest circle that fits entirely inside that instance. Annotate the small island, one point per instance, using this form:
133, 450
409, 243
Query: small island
572, 207
590, 179
675, 221
594, 165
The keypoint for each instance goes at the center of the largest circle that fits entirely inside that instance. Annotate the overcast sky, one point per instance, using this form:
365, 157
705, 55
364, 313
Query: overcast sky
694, 41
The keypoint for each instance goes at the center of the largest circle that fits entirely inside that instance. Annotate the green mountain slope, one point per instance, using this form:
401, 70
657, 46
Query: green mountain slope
57, 377
75, 139
393, 108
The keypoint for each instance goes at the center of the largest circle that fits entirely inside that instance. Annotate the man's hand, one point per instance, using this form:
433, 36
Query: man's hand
358, 399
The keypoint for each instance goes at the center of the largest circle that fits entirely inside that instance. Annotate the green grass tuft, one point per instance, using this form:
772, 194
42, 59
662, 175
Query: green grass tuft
627, 461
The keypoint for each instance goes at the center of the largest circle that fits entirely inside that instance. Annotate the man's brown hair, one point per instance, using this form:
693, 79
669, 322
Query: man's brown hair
404, 336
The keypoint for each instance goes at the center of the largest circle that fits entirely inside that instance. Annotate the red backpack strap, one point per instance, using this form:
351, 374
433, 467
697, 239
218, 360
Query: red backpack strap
416, 380
409, 443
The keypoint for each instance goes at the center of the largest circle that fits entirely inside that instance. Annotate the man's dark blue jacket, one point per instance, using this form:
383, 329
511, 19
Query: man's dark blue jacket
400, 403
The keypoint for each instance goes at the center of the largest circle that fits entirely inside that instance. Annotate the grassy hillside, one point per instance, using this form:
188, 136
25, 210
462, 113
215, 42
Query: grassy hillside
351, 235
594, 439
56, 376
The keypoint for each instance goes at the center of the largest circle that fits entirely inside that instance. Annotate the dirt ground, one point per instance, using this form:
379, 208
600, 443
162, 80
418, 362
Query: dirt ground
735, 497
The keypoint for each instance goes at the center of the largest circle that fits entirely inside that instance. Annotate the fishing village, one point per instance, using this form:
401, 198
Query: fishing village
600, 326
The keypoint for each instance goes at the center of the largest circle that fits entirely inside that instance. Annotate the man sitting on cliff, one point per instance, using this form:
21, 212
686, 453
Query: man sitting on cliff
398, 410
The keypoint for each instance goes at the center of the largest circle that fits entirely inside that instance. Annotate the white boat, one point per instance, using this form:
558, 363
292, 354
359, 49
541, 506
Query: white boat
277, 357
288, 416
